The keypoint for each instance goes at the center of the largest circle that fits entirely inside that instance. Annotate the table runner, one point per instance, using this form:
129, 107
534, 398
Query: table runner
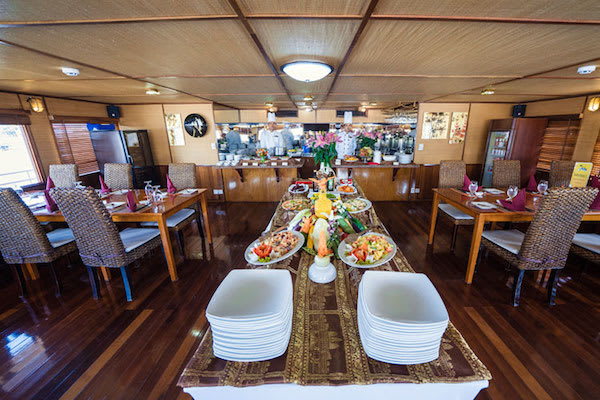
325, 347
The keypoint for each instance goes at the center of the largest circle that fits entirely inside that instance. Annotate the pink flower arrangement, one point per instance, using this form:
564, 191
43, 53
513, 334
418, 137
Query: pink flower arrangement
322, 140
368, 139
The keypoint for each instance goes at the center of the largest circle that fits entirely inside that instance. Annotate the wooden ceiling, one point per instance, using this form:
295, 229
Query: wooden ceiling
230, 51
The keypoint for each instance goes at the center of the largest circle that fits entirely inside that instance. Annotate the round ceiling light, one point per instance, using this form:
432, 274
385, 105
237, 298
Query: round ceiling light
68, 71
152, 92
307, 71
487, 91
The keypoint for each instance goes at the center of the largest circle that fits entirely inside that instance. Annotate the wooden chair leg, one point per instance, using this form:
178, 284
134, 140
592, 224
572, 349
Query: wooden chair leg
95, 282
478, 262
180, 242
453, 242
126, 283
552, 286
18, 271
517, 287
56, 280
199, 224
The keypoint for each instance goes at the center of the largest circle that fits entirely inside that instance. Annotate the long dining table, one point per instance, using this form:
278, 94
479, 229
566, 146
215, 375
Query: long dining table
169, 205
464, 202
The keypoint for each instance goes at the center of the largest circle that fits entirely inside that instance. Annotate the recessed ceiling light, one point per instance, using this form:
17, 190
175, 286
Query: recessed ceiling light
372, 103
307, 71
362, 108
152, 92
586, 69
68, 71
487, 91
269, 104
307, 98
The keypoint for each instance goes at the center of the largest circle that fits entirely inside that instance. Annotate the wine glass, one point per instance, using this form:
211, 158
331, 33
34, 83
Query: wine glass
156, 195
512, 192
79, 185
148, 190
542, 187
473, 186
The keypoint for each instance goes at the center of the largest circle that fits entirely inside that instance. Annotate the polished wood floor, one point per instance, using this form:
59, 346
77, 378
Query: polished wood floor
75, 347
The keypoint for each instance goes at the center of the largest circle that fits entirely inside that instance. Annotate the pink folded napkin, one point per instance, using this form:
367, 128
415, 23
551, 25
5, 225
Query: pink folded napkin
50, 204
131, 205
532, 185
170, 187
467, 182
49, 183
517, 204
103, 188
595, 182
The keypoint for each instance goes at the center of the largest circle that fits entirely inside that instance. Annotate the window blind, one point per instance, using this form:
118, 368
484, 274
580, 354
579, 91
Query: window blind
596, 158
558, 142
75, 146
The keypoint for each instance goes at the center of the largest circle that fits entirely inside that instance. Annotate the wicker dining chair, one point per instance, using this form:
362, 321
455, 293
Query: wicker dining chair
23, 240
506, 173
118, 176
183, 176
560, 173
98, 239
548, 239
452, 174
64, 175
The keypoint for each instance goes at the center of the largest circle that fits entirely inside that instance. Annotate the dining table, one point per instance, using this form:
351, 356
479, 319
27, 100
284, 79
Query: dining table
466, 203
146, 211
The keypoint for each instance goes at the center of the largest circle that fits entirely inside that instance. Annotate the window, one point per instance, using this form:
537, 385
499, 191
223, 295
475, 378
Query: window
75, 146
558, 143
17, 164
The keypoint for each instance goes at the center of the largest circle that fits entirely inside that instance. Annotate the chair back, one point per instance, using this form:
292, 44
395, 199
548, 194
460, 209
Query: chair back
452, 174
64, 175
118, 176
506, 173
183, 175
22, 238
548, 239
95, 233
560, 173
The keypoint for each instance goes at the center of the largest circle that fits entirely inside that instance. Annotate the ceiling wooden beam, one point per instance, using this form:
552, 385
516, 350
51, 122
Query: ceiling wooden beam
50, 96
259, 46
505, 20
20, 46
359, 31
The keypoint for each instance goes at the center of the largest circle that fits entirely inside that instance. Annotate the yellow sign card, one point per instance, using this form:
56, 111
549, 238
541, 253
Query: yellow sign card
581, 174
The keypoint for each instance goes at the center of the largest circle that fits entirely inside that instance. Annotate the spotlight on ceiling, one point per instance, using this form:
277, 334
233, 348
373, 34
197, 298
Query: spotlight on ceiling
68, 71
152, 92
586, 69
306, 71
37, 104
308, 98
487, 91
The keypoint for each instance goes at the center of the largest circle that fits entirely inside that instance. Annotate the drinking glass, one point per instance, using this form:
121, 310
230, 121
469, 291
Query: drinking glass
148, 190
156, 195
473, 186
512, 192
542, 187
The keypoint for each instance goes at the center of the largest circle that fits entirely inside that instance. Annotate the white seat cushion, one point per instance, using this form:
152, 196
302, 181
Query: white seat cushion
589, 241
510, 239
60, 237
453, 211
174, 219
135, 237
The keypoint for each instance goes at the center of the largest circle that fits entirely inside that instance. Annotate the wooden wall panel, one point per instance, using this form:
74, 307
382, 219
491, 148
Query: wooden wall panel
253, 115
378, 185
226, 116
588, 135
9, 100
259, 184
149, 117
573, 105
75, 108
480, 116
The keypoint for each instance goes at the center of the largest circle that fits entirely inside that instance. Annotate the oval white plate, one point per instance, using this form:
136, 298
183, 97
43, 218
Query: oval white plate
289, 254
369, 204
387, 258
340, 192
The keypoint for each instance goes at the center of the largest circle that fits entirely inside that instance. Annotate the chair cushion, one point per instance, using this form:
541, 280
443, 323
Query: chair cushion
135, 237
453, 211
174, 219
510, 239
60, 237
589, 241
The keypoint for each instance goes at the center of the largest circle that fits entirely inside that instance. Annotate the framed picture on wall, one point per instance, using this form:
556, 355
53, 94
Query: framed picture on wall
174, 129
435, 125
458, 127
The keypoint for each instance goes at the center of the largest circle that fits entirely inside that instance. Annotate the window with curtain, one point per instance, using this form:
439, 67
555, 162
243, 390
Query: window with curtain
18, 166
559, 142
75, 146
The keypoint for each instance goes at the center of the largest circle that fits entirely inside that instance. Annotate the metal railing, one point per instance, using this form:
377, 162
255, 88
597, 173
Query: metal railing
29, 177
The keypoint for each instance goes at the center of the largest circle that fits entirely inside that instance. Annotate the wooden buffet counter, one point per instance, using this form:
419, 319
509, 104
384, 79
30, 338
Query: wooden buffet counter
386, 181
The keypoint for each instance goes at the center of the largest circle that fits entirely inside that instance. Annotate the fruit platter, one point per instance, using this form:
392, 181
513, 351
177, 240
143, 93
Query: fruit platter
357, 205
367, 251
274, 248
351, 159
296, 204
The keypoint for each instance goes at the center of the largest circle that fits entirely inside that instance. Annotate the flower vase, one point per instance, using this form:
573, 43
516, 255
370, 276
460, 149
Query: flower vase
322, 270
325, 171
263, 159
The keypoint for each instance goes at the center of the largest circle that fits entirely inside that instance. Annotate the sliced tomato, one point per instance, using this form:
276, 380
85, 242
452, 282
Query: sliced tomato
263, 250
360, 254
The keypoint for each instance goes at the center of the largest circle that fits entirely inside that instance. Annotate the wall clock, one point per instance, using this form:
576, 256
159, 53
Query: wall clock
195, 125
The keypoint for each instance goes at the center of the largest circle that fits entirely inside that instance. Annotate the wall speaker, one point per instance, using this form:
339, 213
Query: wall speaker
113, 111
519, 110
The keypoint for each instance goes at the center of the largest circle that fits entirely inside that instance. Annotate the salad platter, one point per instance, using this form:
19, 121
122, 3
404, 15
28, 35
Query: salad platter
296, 204
274, 248
357, 205
367, 251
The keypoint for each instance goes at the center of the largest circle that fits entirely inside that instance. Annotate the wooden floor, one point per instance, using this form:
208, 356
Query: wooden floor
75, 347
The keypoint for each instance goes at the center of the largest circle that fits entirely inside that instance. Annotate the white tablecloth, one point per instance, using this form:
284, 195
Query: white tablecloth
380, 391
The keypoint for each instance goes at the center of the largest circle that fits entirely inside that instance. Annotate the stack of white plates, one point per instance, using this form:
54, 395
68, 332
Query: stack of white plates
401, 317
250, 315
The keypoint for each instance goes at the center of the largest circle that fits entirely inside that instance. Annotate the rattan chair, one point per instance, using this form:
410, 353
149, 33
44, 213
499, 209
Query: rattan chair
560, 173
452, 173
64, 175
98, 239
506, 173
546, 243
118, 176
183, 176
23, 240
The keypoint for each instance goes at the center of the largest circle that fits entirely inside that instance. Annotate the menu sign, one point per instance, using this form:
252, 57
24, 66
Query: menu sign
581, 174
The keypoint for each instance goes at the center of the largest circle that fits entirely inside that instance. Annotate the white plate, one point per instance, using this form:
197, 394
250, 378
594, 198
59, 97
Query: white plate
368, 202
387, 258
289, 254
111, 205
304, 190
340, 192
493, 191
484, 205
188, 191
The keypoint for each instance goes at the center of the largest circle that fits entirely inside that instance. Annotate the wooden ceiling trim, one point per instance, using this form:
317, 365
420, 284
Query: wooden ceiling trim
259, 45
132, 20
512, 20
9, 43
304, 16
47, 95
359, 31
